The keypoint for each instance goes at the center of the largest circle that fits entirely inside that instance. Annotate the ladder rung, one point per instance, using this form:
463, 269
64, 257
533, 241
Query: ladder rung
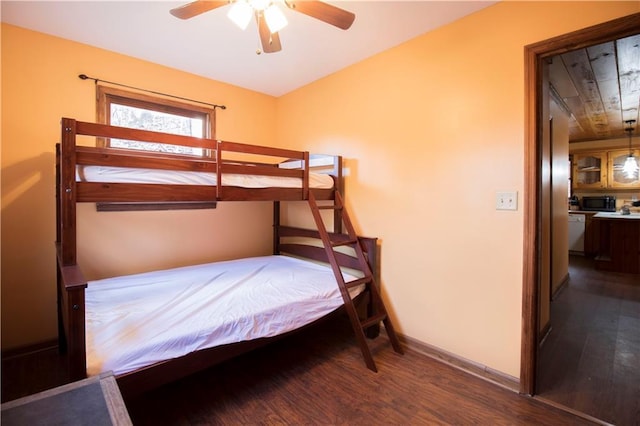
373, 320
358, 281
344, 242
350, 238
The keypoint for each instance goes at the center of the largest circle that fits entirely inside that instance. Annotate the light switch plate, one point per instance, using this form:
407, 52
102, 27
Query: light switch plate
507, 200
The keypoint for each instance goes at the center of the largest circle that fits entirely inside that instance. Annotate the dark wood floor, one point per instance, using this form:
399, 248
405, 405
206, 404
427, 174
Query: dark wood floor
317, 377
590, 360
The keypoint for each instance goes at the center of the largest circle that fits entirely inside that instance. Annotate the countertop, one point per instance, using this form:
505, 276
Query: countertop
617, 215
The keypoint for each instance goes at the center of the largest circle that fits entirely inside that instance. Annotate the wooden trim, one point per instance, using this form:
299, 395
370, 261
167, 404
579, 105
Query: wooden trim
116, 157
104, 130
544, 333
137, 192
475, 369
531, 241
576, 413
29, 349
260, 150
141, 206
139, 99
105, 95
534, 55
561, 287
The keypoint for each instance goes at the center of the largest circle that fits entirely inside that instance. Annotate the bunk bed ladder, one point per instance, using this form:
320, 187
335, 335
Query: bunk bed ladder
379, 312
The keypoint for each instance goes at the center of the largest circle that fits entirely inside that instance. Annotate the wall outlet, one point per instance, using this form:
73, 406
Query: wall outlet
507, 200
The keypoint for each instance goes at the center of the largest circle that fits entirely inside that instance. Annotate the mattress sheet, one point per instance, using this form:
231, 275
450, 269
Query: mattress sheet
85, 173
138, 320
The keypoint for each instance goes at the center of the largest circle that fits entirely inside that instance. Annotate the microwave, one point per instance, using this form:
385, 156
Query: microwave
603, 203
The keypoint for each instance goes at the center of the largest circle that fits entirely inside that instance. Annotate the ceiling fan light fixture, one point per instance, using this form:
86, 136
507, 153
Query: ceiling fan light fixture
259, 4
241, 13
269, 16
275, 18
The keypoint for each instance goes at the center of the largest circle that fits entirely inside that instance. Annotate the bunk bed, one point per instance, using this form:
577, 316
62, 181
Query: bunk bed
86, 173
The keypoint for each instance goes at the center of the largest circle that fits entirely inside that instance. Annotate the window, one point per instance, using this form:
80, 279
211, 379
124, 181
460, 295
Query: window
134, 110
129, 109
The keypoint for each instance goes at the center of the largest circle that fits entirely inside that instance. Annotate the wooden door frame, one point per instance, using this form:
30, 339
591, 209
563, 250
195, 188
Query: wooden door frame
534, 59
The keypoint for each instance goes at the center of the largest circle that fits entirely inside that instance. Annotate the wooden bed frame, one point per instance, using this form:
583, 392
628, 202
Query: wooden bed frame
71, 283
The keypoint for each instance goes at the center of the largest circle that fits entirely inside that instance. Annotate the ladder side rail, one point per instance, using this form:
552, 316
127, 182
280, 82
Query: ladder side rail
326, 242
348, 303
352, 234
379, 309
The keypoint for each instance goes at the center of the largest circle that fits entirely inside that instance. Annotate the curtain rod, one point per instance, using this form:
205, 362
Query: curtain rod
96, 80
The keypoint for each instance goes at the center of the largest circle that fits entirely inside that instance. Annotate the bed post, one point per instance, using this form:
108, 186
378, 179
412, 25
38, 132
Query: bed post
305, 175
276, 227
62, 342
218, 170
337, 173
67, 193
70, 281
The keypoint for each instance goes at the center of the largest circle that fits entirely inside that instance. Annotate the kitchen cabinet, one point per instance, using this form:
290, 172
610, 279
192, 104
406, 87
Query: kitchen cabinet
589, 170
619, 242
591, 235
616, 177
603, 170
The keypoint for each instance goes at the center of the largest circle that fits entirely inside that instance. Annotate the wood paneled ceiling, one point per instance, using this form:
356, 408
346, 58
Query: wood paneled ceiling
600, 87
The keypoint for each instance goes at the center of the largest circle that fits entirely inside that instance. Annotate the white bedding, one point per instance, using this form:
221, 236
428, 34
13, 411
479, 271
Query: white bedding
138, 320
106, 174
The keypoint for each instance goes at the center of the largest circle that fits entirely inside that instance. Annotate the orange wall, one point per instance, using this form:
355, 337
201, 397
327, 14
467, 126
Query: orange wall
39, 86
431, 130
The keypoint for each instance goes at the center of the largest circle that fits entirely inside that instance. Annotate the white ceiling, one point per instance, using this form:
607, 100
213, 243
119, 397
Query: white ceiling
210, 45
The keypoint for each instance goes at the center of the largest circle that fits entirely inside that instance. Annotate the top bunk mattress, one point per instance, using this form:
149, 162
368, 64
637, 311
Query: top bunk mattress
108, 174
138, 320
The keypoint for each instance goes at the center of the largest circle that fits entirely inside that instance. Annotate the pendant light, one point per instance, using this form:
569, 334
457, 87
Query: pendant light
630, 167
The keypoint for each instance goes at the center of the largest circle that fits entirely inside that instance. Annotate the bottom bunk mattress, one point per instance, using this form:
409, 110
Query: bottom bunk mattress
138, 320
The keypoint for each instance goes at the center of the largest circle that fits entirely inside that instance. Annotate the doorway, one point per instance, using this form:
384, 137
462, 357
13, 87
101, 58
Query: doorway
535, 251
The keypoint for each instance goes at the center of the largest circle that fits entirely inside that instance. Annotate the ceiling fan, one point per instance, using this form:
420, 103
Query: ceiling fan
269, 17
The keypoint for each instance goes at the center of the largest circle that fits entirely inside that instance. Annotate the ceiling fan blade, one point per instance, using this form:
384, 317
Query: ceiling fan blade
270, 41
196, 8
325, 12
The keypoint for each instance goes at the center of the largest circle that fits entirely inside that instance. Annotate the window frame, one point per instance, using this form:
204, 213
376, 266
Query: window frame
106, 95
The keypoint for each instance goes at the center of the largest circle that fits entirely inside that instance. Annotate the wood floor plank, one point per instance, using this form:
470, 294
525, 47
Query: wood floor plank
318, 377
590, 360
